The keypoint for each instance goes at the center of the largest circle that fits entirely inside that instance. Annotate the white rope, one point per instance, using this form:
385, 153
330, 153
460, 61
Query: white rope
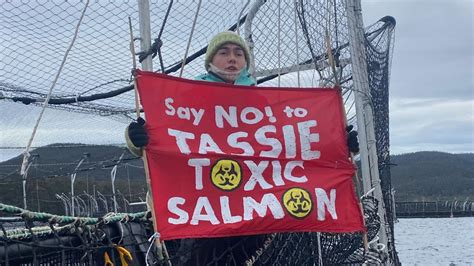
189, 40
26, 153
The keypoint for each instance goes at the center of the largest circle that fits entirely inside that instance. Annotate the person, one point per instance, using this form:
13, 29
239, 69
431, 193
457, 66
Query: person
227, 60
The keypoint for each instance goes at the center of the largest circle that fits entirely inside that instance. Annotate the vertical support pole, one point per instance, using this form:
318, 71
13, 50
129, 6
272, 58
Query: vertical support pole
145, 32
73, 179
112, 178
365, 119
361, 89
145, 44
113, 174
248, 31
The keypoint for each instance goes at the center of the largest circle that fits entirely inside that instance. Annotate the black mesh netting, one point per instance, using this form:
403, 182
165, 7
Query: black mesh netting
290, 41
82, 243
378, 51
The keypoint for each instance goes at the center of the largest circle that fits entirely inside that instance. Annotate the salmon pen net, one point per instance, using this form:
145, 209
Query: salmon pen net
75, 55
42, 239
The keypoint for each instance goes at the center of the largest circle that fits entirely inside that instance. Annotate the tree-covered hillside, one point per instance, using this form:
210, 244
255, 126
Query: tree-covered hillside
50, 174
433, 175
415, 176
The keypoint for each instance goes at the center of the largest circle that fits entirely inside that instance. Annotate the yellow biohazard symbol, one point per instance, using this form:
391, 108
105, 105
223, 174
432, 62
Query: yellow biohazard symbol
297, 202
226, 174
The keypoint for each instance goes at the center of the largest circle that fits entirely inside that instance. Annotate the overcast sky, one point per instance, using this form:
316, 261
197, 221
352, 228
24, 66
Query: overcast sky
431, 85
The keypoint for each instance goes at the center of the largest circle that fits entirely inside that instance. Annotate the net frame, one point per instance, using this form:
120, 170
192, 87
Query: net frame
119, 108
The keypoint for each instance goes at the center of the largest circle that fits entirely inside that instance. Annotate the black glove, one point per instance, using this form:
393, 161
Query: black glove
352, 140
137, 133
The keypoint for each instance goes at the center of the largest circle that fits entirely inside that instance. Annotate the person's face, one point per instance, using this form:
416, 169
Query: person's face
230, 57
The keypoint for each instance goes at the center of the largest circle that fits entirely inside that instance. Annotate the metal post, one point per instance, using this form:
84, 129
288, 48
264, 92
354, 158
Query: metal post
145, 37
248, 31
365, 120
104, 200
73, 179
113, 174
361, 87
112, 177
145, 32
64, 201
93, 206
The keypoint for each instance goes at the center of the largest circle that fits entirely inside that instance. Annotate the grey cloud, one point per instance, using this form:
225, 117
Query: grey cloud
443, 131
431, 83
432, 124
433, 55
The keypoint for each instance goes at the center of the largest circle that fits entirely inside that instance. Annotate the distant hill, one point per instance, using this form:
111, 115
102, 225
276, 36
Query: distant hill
61, 160
433, 175
416, 176
50, 174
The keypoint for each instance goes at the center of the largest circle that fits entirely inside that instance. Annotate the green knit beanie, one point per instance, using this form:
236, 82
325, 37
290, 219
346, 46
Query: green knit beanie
223, 38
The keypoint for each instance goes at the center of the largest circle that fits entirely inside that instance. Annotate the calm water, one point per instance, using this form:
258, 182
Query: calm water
435, 241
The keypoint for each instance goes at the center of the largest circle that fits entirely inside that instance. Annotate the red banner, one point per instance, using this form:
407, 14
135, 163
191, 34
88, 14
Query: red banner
230, 160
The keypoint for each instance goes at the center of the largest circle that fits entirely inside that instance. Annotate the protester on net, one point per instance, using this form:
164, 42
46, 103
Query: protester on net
227, 60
